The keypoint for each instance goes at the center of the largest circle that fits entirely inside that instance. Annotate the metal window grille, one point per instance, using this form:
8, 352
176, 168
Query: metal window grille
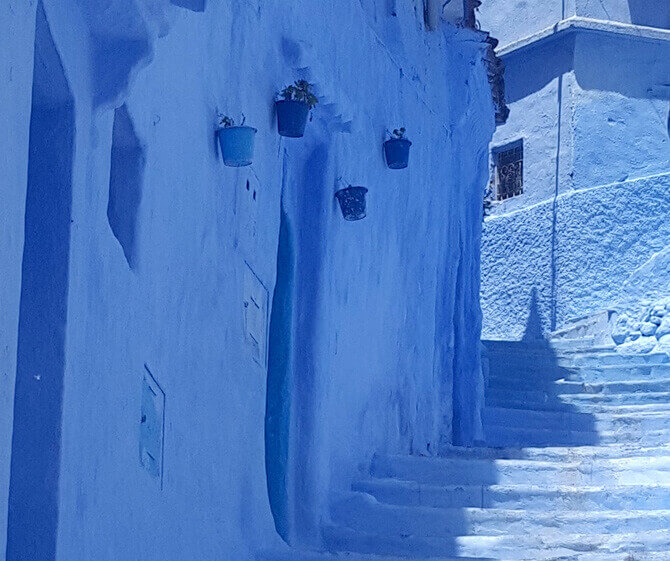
509, 172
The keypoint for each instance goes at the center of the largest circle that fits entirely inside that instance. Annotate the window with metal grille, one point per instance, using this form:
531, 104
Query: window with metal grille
508, 172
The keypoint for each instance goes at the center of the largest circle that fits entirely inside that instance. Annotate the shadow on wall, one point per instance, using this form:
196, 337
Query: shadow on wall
608, 63
125, 183
278, 401
120, 40
532, 400
654, 13
35, 462
623, 65
532, 69
292, 416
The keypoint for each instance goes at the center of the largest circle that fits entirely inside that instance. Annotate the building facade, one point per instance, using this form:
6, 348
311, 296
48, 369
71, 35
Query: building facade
194, 357
580, 173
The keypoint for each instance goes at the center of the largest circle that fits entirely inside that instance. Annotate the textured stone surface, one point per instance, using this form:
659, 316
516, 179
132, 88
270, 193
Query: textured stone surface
622, 329
573, 471
664, 328
643, 344
561, 260
648, 328
585, 100
663, 344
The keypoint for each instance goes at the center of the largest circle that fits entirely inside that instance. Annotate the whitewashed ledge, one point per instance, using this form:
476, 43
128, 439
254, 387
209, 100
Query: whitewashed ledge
575, 24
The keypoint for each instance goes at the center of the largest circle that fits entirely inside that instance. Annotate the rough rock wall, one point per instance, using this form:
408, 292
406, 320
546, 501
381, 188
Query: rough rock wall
649, 282
385, 322
569, 257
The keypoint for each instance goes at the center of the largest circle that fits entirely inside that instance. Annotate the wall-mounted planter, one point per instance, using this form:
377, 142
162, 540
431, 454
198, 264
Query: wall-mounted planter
352, 202
237, 145
292, 118
396, 151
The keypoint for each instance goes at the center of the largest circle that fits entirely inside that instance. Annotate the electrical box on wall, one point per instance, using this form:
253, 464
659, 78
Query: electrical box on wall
152, 424
256, 316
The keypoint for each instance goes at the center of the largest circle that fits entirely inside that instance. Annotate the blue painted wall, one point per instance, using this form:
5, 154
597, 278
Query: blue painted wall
381, 316
577, 255
33, 507
588, 107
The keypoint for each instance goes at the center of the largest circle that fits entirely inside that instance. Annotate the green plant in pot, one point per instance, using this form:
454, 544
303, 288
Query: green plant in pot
293, 107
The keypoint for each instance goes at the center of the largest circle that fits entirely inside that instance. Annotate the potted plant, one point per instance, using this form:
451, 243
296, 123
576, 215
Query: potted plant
396, 149
293, 108
352, 202
236, 141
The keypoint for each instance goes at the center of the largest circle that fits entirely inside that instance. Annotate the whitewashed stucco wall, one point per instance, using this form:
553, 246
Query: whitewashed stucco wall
379, 301
573, 257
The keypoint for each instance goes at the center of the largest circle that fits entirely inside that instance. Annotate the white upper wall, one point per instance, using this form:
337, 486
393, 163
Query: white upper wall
651, 13
613, 99
511, 20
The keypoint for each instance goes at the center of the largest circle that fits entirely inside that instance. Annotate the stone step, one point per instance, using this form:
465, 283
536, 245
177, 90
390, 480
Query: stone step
291, 554
594, 375
575, 421
557, 454
547, 546
569, 405
541, 380
631, 556
620, 360
503, 436
564, 387
532, 382
518, 497
565, 347
364, 513
506, 436
456, 471
500, 362
542, 400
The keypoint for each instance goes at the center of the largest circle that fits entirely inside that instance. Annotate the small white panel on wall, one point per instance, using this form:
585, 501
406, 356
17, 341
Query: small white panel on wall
256, 316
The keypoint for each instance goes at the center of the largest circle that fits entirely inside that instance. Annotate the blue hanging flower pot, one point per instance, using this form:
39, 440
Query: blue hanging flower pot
292, 118
396, 151
237, 145
293, 108
352, 202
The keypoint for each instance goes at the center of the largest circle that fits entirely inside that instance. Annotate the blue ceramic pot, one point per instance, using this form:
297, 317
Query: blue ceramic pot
396, 151
352, 202
292, 118
237, 145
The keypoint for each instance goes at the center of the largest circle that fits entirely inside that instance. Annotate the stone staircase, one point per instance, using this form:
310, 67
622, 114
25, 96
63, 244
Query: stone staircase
575, 466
